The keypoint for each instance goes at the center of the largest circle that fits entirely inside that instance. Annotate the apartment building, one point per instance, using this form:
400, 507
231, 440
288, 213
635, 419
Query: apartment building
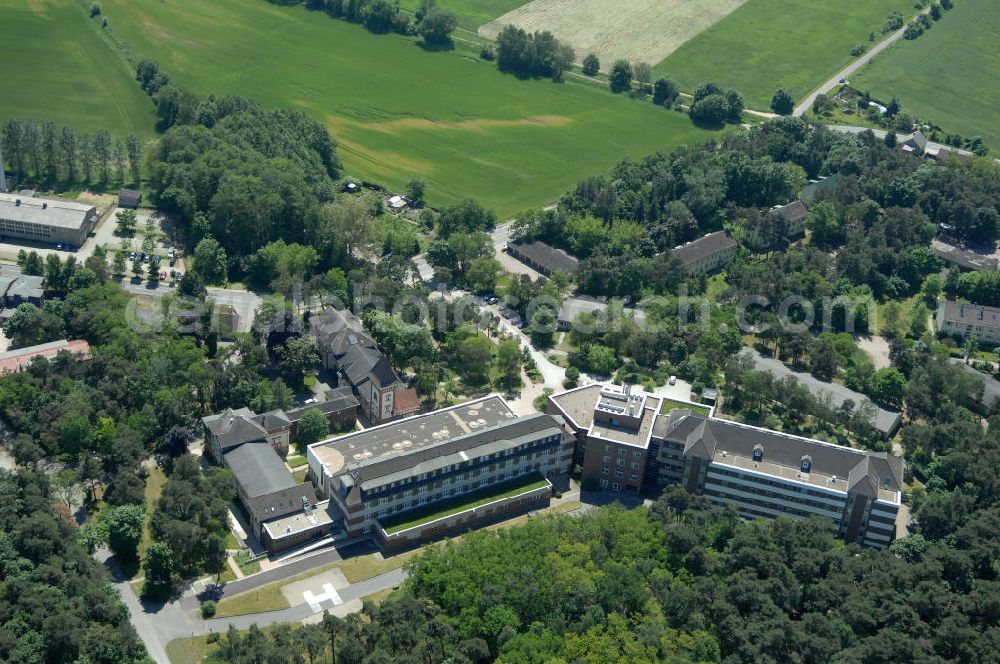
706, 254
627, 443
424, 476
969, 321
614, 431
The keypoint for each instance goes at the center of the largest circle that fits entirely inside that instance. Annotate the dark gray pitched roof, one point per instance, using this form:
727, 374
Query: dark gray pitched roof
703, 247
337, 400
703, 437
382, 373
234, 427
273, 419
358, 363
550, 258
258, 469
282, 502
991, 386
963, 258
883, 419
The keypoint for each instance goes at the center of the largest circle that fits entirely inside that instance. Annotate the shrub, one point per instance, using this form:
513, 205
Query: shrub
95, 9
488, 53
591, 65
858, 50
208, 608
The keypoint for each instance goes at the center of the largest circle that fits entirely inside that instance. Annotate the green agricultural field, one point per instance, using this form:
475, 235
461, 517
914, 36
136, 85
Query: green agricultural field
471, 13
56, 67
767, 44
947, 76
396, 110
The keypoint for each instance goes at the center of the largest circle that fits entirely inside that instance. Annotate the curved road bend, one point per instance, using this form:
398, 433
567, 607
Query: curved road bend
158, 624
846, 72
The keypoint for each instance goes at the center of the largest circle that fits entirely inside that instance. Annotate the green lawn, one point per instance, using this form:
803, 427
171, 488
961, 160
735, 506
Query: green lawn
56, 67
397, 110
947, 76
670, 404
767, 44
460, 504
471, 13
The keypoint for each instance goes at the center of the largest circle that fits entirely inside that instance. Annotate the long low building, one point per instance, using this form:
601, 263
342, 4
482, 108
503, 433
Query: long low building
630, 445
45, 220
886, 421
20, 359
408, 481
543, 257
707, 254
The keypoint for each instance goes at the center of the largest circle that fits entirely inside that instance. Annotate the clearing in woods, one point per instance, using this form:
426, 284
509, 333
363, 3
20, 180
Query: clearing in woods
56, 67
948, 75
640, 30
396, 110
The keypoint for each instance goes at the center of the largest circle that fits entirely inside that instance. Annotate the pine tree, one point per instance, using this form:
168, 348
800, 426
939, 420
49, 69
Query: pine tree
134, 149
86, 151
102, 153
68, 152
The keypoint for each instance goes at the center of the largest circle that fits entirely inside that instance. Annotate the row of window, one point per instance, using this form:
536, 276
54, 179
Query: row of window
478, 461
412, 498
746, 477
618, 473
21, 228
737, 486
636, 454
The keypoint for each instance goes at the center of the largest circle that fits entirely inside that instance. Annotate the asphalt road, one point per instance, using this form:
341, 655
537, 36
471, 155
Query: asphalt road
846, 72
159, 623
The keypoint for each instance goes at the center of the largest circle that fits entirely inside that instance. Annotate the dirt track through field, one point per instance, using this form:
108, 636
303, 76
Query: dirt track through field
640, 30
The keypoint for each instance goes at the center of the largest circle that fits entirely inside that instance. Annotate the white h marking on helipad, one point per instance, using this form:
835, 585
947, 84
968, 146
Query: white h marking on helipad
329, 593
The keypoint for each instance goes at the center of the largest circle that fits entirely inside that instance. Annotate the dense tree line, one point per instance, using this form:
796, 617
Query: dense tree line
680, 582
56, 603
52, 155
879, 217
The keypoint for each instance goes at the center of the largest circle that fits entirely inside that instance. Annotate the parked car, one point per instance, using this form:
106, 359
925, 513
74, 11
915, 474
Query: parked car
59, 247
163, 275
673, 380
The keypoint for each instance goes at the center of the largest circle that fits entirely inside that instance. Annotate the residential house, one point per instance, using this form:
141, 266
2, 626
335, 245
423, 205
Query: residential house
969, 321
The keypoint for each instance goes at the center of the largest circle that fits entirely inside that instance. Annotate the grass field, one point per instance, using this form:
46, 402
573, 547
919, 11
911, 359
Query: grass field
767, 44
948, 76
643, 30
397, 110
471, 13
56, 67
